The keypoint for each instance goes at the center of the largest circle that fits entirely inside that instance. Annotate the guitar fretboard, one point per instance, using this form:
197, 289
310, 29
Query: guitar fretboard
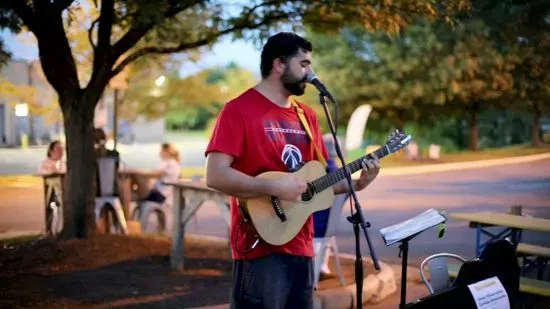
330, 179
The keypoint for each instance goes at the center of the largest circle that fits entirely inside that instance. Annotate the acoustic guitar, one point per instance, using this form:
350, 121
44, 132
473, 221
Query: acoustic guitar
278, 221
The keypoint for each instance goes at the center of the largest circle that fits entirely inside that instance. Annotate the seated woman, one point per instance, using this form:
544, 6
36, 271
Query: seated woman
53, 164
169, 170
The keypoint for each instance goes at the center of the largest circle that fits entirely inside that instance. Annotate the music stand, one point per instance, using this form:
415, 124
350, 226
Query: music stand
402, 233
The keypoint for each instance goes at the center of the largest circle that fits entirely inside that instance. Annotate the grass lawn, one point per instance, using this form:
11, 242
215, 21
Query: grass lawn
188, 172
400, 159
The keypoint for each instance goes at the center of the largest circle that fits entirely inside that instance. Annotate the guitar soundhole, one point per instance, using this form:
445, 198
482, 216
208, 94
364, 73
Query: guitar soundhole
309, 194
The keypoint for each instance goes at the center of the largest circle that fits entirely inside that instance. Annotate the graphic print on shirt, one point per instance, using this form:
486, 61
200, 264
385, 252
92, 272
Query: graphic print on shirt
292, 135
292, 156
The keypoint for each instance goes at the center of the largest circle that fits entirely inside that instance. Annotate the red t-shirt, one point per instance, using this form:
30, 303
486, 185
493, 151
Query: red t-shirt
262, 137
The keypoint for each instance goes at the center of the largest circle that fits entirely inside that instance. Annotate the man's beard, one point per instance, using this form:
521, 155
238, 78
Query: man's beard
293, 84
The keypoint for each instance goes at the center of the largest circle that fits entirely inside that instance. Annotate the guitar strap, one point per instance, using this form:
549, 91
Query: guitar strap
303, 119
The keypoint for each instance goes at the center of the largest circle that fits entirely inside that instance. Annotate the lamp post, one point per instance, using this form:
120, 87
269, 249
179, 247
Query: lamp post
21, 111
29, 115
117, 83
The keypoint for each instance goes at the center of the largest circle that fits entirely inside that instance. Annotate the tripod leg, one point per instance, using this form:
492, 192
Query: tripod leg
358, 267
405, 251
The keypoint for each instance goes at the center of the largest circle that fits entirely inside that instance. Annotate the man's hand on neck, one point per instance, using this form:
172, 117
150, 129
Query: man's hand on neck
275, 92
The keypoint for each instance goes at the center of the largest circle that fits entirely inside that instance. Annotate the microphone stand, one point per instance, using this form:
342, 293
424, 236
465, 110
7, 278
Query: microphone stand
357, 218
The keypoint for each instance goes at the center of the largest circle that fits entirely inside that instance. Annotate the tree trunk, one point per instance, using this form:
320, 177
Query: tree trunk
535, 130
461, 143
474, 128
78, 213
400, 113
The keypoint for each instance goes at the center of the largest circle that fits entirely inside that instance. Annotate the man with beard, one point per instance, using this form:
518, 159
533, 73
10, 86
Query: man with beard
260, 131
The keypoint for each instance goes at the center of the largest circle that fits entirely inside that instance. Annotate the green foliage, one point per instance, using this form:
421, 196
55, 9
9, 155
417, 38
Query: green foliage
522, 28
196, 118
5, 55
187, 103
426, 65
431, 70
8, 21
389, 16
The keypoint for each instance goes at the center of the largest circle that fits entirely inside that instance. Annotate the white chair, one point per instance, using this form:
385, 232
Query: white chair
413, 151
439, 271
144, 209
321, 244
107, 202
434, 151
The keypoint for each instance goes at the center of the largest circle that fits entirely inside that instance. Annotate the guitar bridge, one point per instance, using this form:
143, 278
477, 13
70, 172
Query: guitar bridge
276, 203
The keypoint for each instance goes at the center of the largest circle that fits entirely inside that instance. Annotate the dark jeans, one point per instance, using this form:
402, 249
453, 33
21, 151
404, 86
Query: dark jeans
277, 281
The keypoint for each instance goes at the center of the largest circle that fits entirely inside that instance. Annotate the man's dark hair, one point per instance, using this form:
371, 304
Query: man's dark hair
284, 45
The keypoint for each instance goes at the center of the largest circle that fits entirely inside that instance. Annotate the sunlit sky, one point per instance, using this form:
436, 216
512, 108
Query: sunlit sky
243, 53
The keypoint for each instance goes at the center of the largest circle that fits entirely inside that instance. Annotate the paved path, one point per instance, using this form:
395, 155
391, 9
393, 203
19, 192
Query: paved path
392, 199
389, 200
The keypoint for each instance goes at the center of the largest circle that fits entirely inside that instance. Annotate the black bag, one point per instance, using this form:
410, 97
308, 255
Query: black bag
497, 259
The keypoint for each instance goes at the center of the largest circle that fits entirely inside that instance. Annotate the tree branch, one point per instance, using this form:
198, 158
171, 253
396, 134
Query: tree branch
102, 59
63, 4
138, 31
25, 13
106, 19
90, 32
54, 49
121, 46
189, 45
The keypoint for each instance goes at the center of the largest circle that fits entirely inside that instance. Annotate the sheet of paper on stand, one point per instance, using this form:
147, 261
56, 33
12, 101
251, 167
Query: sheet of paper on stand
410, 227
489, 294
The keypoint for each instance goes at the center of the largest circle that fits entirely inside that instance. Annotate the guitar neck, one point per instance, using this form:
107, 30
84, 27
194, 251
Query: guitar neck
334, 177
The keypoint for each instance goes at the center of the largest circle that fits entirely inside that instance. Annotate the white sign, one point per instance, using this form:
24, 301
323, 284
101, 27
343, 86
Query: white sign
489, 294
356, 126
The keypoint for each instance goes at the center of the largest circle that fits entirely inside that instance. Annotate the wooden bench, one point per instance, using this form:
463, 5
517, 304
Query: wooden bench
533, 250
534, 256
526, 285
512, 225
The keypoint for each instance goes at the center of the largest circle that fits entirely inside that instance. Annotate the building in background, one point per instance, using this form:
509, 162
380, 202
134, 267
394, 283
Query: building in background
44, 122
141, 130
37, 120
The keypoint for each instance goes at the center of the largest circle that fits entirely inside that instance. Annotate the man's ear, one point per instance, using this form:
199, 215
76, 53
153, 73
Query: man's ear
279, 65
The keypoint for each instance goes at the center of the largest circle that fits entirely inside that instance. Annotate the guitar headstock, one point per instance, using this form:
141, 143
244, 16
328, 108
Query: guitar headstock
397, 141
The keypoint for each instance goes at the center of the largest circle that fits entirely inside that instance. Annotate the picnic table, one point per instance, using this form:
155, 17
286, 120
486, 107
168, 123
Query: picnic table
512, 225
189, 196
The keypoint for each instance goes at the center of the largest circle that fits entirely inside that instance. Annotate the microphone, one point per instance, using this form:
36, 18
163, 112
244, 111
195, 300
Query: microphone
312, 79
